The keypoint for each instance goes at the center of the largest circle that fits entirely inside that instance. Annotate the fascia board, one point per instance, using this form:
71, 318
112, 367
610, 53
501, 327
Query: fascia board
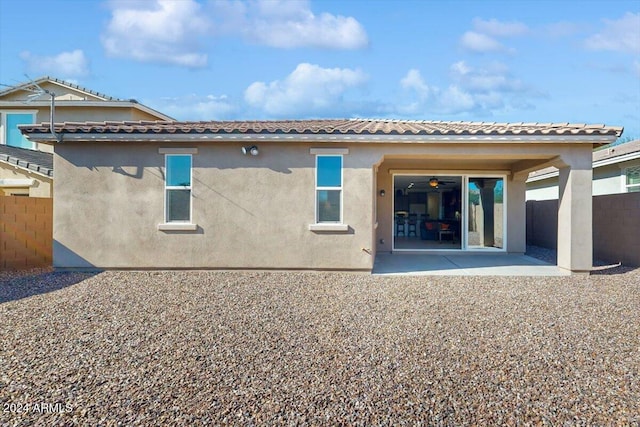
617, 159
342, 138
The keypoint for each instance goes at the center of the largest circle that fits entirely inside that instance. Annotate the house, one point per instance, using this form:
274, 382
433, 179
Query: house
25, 172
309, 194
615, 170
29, 103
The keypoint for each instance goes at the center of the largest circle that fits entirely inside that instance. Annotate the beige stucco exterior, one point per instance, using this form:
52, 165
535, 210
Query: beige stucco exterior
256, 211
251, 212
39, 186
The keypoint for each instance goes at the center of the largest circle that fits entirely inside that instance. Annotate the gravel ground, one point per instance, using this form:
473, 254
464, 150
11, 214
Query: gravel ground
305, 348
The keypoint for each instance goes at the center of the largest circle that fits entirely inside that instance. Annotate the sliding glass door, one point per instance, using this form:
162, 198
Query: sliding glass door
448, 212
427, 212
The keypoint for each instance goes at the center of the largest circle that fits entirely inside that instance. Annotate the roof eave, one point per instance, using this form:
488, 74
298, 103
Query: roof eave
47, 138
27, 166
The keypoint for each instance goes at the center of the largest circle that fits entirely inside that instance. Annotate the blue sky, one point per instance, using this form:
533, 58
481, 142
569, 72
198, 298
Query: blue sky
497, 61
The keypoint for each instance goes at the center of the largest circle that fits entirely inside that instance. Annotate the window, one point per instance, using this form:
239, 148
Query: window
10, 134
178, 188
329, 188
632, 179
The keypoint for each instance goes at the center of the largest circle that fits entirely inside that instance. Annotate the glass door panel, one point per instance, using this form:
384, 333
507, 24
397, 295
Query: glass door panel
485, 218
427, 212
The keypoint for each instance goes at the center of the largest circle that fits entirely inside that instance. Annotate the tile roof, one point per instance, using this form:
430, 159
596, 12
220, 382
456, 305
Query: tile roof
329, 127
36, 161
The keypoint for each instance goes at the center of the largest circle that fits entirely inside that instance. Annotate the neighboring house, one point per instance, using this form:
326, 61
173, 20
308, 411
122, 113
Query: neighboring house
25, 172
20, 105
309, 194
615, 170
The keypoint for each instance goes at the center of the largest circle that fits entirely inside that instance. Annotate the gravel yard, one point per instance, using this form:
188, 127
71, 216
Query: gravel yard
297, 348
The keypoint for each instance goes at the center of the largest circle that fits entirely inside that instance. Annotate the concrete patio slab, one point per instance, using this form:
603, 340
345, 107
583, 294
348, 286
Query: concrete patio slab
464, 265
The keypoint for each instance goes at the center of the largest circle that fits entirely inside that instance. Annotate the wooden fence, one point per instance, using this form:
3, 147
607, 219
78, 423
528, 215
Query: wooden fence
26, 232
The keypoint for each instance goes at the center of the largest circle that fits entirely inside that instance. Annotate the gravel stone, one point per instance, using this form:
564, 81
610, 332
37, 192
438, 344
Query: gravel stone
316, 348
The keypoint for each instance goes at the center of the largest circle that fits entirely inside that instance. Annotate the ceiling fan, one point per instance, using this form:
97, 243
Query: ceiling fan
435, 182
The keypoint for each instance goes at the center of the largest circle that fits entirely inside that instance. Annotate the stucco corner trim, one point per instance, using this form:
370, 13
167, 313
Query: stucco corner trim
180, 150
177, 226
329, 151
329, 227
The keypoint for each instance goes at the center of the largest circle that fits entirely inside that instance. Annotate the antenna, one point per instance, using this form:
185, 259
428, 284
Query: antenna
36, 92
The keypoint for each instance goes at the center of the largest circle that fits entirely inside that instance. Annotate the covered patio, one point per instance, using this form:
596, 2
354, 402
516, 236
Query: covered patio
461, 264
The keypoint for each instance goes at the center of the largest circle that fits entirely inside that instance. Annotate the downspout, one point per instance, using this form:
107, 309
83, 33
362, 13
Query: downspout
52, 116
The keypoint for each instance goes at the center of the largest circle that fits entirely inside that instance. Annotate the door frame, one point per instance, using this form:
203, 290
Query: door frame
464, 220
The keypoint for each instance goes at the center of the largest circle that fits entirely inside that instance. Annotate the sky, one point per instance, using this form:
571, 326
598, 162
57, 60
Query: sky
574, 61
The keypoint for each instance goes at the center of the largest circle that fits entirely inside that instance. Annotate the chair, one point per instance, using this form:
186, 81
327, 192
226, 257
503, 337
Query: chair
400, 225
413, 222
429, 230
446, 230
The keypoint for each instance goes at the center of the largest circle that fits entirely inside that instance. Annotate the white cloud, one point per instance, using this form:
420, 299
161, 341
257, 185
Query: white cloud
413, 80
63, 65
500, 29
477, 91
561, 29
493, 78
163, 31
485, 36
477, 42
455, 100
289, 24
309, 89
622, 35
195, 107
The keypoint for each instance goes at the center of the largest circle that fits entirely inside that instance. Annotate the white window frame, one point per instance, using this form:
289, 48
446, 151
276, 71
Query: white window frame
625, 181
3, 123
187, 225
338, 226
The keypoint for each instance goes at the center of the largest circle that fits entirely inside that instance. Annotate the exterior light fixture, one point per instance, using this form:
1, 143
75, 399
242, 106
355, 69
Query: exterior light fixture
253, 150
433, 182
382, 193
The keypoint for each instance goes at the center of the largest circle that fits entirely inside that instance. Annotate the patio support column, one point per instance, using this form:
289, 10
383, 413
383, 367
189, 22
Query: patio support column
487, 198
575, 229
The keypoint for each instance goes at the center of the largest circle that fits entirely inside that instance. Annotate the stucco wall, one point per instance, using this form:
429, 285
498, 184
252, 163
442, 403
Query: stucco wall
252, 212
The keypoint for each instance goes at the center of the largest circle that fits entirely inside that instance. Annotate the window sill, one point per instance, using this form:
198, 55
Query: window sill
329, 227
177, 226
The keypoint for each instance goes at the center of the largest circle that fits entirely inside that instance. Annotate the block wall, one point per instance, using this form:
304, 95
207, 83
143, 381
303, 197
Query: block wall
26, 232
616, 227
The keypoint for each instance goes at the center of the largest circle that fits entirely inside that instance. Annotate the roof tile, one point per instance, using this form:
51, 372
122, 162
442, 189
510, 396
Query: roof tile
330, 126
37, 161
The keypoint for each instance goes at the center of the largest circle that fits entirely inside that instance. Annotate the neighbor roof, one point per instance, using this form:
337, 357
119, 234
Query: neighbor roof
607, 156
35, 161
23, 86
330, 127
96, 99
